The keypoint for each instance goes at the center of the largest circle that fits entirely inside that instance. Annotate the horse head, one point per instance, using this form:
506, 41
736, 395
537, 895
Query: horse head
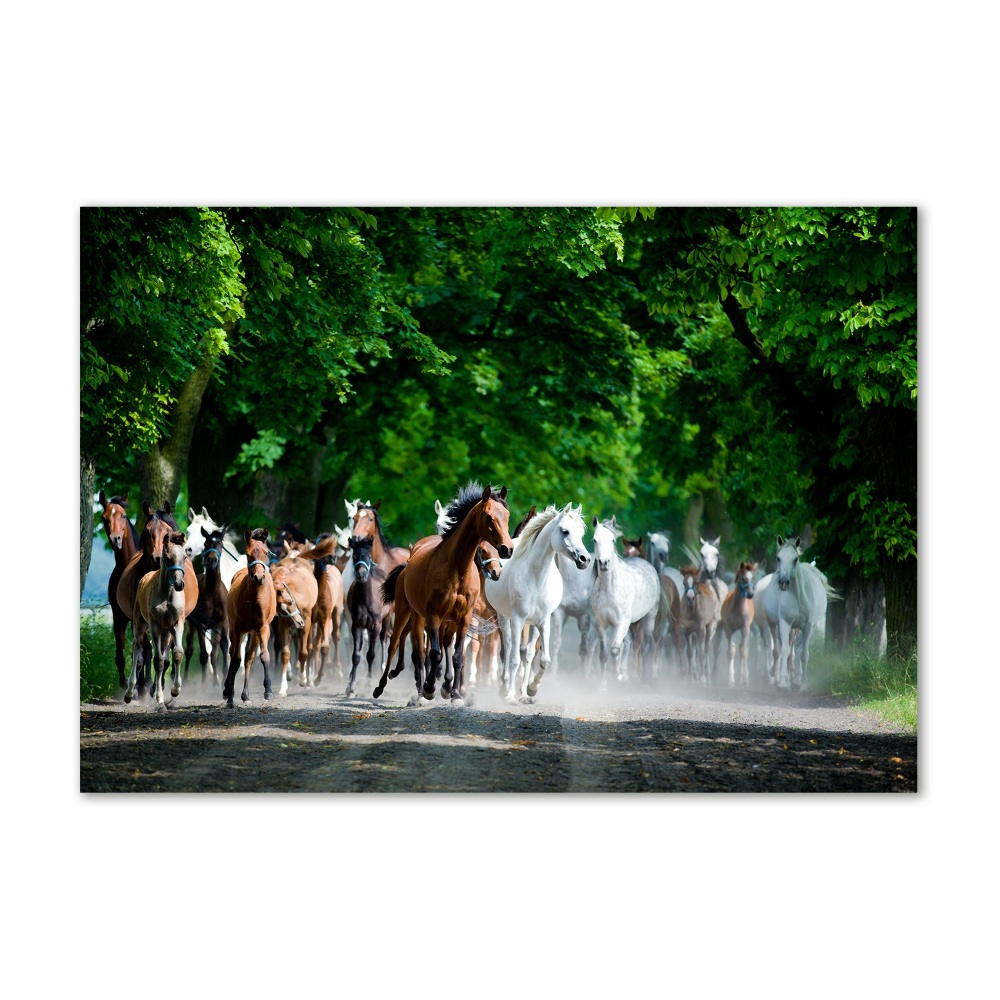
633, 547
361, 554
488, 560
197, 524
788, 561
605, 533
172, 563
366, 521
158, 525
571, 531
257, 554
710, 557
114, 519
745, 579
211, 552
494, 517
689, 574
659, 549
286, 606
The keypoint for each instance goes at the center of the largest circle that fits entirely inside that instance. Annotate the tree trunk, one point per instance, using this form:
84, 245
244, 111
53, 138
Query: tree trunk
692, 522
87, 481
859, 617
162, 471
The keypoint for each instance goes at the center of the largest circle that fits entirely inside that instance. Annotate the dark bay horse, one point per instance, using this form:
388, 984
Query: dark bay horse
208, 620
370, 614
124, 539
440, 585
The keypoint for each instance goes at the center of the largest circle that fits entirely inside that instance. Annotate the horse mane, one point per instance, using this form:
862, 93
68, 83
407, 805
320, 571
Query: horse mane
467, 498
690, 570
537, 524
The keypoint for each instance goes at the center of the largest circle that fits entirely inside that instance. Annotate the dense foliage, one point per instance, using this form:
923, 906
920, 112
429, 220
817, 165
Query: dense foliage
740, 372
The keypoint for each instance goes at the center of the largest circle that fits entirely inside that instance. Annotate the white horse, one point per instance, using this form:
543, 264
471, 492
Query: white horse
229, 559
626, 591
530, 589
794, 597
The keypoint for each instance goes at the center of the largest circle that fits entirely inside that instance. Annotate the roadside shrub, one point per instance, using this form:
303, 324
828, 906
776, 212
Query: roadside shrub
98, 674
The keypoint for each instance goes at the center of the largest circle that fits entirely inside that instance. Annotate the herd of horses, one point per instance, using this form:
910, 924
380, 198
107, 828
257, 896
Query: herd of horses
480, 604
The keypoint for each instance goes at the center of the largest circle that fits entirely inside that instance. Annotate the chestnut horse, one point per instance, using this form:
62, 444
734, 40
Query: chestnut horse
159, 523
737, 617
124, 539
439, 587
161, 602
250, 608
368, 524
694, 623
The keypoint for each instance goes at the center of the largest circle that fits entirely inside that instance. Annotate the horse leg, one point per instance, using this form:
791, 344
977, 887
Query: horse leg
621, 665
545, 657
229, 684
357, 641
744, 656
435, 656
174, 647
514, 626
370, 655
254, 641
732, 659
283, 641
799, 677
458, 668
138, 632
602, 638
304, 644
119, 623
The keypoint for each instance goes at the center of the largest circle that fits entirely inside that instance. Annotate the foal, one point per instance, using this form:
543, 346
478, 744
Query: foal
737, 617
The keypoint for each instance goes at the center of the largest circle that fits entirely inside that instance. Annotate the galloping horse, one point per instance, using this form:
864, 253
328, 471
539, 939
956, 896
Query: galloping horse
530, 589
795, 597
162, 597
124, 541
159, 523
250, 609
737, 617
294, 574
329, 613
208, 619
626, 592
696, 616
440, 585
369, 613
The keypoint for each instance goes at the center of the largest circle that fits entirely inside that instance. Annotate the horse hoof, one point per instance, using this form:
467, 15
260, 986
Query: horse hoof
175, 692
377, 692
245, 697
229, 703
532, 690
457, 701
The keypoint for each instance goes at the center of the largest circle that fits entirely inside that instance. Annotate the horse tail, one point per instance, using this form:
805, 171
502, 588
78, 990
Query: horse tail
389, 587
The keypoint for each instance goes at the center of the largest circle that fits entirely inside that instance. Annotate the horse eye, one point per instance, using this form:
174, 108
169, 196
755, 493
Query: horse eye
565, 531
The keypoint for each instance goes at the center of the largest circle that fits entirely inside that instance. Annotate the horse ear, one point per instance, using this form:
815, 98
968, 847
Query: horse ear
246, 536
503, 494
204, 514
166, 507
487, 493
379, 504
781, 541
596, 522
102, 499
191, 514
146, 509
715, 544
798, 542
437, 507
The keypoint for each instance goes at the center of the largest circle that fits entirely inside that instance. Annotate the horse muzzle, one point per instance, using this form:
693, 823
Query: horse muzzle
504, 551
783, 584
603, 564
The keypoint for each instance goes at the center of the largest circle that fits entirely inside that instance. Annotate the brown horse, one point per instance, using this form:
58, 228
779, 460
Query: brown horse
124, 539
161, 602
694, 625
208, 620
295, 576
440, 585
737, 617
327, 613
159, 523
368, 524
370, 614
483, 648
250, 608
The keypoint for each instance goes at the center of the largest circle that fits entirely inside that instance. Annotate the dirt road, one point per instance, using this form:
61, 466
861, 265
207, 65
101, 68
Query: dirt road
630, 738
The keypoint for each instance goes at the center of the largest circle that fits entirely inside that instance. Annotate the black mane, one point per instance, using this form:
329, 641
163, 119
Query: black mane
468, 496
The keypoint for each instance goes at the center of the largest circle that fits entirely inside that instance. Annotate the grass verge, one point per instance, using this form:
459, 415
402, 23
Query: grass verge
98, 673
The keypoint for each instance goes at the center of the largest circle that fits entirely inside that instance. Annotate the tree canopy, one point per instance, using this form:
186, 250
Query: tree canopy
742, 372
